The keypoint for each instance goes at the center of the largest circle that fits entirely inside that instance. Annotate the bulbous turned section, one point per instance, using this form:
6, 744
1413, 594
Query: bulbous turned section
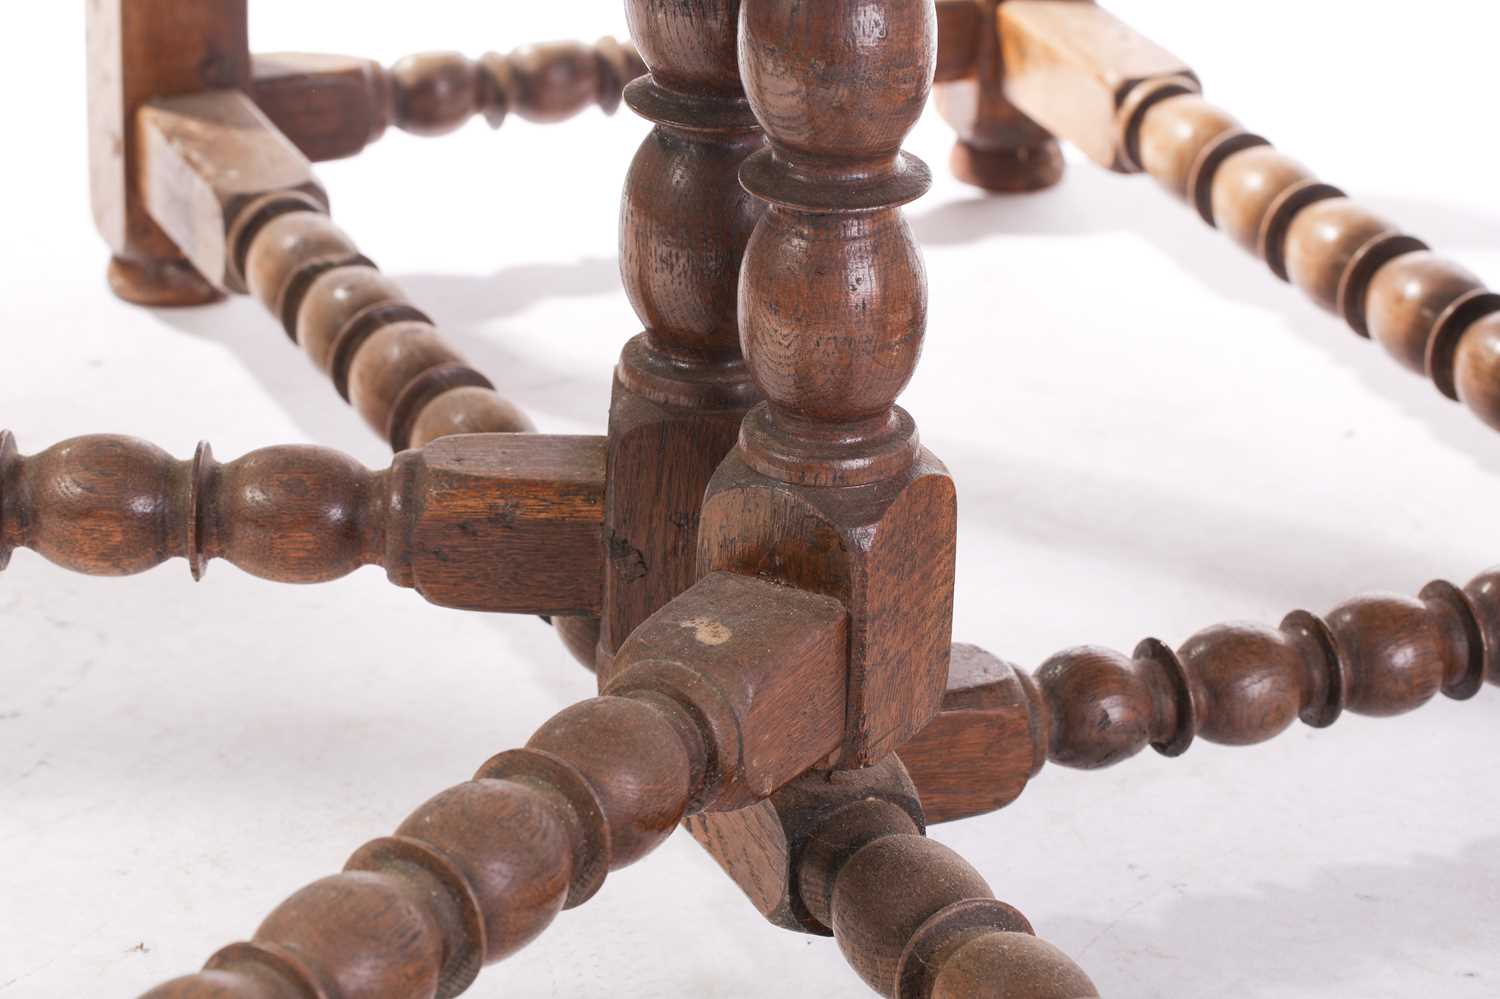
1010, 966
1236, 684
479, 870
681, 388
117, 506
684, 223
833, 300
912, 917
840, 81
1244, 684
434, 93
834, 311
1429, 313
689, 48
684, 218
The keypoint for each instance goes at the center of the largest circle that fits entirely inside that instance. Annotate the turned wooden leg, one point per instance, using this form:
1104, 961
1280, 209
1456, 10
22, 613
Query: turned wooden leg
829, 488
480, 870
681, 388
140, 50
483, 868
998, 149
1430, 314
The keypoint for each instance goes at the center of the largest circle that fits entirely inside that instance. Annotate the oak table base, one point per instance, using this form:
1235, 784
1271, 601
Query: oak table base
757, 559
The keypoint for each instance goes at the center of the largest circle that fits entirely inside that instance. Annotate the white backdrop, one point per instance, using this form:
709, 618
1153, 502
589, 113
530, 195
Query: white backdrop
1150, 435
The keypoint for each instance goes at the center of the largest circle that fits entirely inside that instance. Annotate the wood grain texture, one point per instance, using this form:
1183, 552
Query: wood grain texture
139, 50
203, 157
1070, 65
333, 106
986, 742
480, 870
843, 854
328, 106
999, 148
829, 489
483, 522
681, 388
1235, 684
761, 847
511, 523
774, 659
886, 551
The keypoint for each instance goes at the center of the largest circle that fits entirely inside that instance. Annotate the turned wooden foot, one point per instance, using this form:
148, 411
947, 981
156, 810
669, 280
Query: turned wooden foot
1009, 170
159, 284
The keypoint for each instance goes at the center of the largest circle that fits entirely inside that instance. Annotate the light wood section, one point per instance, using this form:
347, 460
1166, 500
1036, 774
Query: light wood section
1069, 66
203, 158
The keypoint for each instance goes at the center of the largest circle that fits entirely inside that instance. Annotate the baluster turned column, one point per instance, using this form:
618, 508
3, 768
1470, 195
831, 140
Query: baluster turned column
829, 489
681, 388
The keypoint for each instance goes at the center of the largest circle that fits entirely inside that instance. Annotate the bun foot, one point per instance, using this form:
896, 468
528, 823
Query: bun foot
1009, 170
160, 283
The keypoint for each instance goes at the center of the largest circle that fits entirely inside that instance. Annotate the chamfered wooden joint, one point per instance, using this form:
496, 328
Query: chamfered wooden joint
761, 847
764, 664
829, 488
1070, 65
142, 50
510, 523
885, 551
204, 157
985, 744
844, 854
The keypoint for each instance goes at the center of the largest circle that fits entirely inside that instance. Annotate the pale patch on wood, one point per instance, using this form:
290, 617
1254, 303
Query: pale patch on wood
708, 631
